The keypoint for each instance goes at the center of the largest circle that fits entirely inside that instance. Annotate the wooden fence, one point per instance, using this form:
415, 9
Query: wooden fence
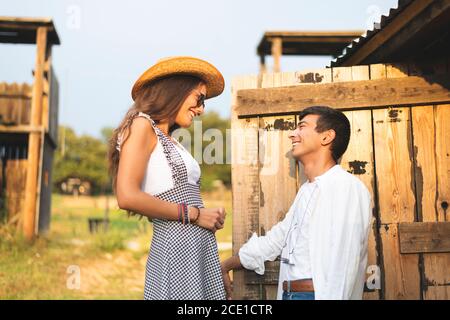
399, 148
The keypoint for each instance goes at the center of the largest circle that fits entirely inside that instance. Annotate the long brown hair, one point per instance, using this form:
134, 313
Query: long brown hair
161, 100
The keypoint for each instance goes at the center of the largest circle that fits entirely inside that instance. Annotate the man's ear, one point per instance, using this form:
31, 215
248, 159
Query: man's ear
328, 137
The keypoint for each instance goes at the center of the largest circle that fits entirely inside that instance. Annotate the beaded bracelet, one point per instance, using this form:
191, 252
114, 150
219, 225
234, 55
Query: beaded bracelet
183, 214
186, 214
180, 213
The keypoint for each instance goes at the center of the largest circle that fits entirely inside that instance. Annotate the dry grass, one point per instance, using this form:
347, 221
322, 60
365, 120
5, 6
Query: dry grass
112, 264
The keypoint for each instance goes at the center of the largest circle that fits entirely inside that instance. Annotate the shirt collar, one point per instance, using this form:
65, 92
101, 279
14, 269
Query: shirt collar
327, 173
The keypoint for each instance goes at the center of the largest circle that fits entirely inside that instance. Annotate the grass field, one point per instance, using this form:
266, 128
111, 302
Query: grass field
111, 264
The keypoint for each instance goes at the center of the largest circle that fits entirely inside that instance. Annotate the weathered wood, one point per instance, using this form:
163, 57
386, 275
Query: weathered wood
396, 199
46, 91
311, 76
442, 116
410, 146
377, 71
342, 74
21, 129
270, 278
15, 176
360, 73
34, 143
15, 103
245, 186
393, 154
345, 95
432, 187
397, 70
424, 237
401, 272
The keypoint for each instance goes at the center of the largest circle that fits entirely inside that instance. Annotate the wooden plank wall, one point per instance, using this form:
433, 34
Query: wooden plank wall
401, 155
15, 103
395, 185
277, 176
432, 177
15, 177
245, 188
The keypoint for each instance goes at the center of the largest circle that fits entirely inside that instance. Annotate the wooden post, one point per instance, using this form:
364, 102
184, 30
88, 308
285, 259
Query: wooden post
262, 64
34, 142
277, 51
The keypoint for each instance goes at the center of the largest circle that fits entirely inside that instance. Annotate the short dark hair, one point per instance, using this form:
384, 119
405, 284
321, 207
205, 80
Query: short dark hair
330, 118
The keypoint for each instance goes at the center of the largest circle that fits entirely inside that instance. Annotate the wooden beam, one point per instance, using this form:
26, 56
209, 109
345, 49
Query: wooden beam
424, 237
34, 142
326, 34
21, 128
366, 94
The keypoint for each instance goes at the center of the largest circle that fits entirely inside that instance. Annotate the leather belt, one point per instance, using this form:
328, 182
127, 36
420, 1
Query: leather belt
305, 285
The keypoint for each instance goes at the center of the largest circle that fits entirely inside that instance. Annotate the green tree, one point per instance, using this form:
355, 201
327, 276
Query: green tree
215, 171
81, 157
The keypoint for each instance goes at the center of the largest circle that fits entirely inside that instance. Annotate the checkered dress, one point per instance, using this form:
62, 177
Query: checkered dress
183, 262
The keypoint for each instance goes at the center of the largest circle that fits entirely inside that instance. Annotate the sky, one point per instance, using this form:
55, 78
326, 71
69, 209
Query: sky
106, 45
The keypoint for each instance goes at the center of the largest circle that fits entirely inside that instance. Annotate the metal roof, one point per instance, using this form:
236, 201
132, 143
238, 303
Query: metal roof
369, 34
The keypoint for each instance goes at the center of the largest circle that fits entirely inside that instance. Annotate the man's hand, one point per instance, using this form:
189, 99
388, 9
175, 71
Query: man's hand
233, 263
227, 284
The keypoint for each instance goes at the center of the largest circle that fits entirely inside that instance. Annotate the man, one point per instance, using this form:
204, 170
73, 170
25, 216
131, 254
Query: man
323, 238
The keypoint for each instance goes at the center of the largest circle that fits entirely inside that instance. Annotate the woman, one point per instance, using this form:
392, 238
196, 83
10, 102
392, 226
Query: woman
154, 176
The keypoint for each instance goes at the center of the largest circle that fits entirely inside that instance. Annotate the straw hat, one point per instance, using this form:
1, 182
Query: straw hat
186, 66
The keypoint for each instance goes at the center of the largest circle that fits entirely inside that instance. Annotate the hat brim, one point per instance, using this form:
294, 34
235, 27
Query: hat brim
183, 66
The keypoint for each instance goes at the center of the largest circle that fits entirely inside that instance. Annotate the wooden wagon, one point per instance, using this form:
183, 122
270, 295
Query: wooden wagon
28, 129
393, 84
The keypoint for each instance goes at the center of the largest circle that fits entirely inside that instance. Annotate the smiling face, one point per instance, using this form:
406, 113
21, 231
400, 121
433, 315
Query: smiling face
192, 107
306, 141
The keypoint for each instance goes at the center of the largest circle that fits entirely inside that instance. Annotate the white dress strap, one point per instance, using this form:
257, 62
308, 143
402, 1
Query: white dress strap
140, 114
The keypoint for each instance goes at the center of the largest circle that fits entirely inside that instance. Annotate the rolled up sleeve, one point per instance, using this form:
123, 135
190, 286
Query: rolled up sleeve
259, 249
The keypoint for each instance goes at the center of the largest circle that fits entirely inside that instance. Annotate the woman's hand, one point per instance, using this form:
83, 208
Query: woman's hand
211, 219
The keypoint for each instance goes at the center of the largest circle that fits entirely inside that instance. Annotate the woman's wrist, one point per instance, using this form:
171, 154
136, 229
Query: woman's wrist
194, 214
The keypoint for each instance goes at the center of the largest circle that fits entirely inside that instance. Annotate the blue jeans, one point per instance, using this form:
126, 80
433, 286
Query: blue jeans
298, 295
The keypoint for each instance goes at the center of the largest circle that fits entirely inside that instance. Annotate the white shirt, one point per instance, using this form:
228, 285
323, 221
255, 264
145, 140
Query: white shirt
295, 252
335, 237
